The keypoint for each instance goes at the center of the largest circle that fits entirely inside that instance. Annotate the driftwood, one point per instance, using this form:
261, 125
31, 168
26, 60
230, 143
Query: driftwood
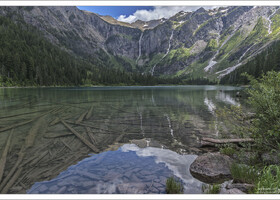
210, 142
90, 145
89, 112
226, 141
4, 155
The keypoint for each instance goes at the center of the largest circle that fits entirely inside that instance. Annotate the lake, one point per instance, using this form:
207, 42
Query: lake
100, 140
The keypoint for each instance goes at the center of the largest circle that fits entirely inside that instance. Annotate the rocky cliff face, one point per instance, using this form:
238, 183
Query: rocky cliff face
204, 43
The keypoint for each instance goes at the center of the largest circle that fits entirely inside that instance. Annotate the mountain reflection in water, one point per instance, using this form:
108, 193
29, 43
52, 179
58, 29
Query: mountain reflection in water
129, 169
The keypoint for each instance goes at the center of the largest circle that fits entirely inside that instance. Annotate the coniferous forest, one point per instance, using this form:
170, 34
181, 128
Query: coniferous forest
28, 59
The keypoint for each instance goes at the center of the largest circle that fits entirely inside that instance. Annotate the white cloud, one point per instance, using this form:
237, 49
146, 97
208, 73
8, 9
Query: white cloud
158, 12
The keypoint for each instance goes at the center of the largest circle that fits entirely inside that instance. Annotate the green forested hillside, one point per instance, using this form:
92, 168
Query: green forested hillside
28, 59
267, 60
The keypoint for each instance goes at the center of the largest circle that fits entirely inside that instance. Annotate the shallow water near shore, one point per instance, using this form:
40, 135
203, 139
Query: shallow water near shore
97, 140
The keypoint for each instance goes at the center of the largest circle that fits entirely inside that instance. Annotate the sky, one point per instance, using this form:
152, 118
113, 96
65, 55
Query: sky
132, 13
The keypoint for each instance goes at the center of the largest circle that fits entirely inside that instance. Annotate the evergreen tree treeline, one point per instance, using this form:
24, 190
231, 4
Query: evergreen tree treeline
28, 59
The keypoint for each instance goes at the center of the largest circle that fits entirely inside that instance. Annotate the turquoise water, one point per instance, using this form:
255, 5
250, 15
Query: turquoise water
143, 135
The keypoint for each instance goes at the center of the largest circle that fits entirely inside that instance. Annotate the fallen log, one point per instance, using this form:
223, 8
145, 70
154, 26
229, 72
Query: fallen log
226, 141
4, 155
90, 145
207, 144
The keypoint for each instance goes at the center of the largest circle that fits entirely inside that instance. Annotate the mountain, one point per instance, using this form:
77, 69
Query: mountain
207, 44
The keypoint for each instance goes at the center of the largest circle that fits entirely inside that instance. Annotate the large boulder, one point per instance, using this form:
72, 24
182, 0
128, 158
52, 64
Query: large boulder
211, 168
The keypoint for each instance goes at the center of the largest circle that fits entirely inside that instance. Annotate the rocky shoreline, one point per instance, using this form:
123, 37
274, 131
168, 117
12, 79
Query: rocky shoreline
214, 167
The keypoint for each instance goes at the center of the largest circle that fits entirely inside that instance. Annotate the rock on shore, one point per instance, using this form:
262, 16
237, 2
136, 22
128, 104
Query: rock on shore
211, 168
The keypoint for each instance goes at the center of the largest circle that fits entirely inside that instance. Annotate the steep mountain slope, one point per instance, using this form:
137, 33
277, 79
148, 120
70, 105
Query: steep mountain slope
29, 59
204, 43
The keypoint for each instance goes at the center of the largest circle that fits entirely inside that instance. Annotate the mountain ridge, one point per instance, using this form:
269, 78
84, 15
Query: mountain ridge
201, 44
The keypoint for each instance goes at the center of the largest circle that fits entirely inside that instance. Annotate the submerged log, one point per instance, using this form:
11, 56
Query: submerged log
4, 155
12, 171
57, 135
35, 161
25, 122
16, 125
66, 145
11, 181
88, 125
55, 121
90, 145
89, 112
90, 135
29, 140
81, 118
24, 114
119, 138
